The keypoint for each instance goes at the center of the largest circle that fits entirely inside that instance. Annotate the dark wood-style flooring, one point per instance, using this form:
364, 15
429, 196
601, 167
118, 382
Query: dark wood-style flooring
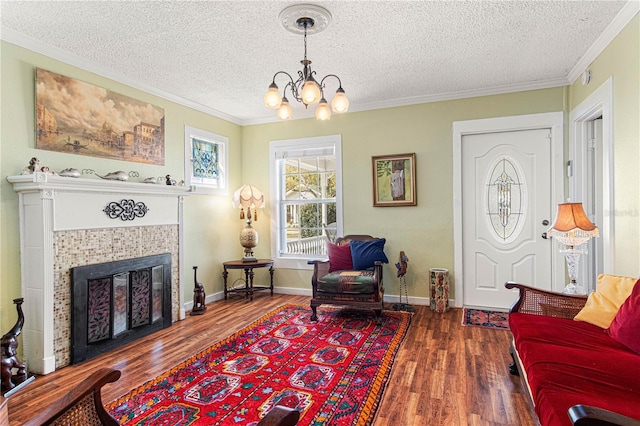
444, 374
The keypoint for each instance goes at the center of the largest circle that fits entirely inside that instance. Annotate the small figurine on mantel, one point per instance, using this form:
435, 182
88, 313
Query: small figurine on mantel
198, 295
170, 180
10, 360
34, 166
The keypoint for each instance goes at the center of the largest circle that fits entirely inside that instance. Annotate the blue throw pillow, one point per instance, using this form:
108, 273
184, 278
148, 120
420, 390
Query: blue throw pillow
365, 253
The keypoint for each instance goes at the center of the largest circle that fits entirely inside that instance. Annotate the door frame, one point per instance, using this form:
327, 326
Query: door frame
599, 103
549, 120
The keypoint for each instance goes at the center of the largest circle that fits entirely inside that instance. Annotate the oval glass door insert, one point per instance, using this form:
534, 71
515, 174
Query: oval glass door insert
506, 200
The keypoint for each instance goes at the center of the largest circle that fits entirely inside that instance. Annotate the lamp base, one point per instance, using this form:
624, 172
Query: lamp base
572, 288
249, 240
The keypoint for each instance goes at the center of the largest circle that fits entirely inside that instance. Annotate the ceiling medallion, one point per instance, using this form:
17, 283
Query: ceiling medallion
290, 15
305, 19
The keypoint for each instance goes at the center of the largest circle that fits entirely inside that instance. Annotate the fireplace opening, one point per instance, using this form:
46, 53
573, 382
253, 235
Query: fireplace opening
118, 302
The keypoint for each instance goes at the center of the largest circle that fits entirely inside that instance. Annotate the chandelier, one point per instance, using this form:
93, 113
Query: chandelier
306, 89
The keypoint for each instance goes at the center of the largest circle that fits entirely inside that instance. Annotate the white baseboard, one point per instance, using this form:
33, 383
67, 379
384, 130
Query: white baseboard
294, 291
413, 300
214, 297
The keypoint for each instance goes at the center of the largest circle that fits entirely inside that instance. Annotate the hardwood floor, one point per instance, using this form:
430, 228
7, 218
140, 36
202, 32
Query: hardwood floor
444, 373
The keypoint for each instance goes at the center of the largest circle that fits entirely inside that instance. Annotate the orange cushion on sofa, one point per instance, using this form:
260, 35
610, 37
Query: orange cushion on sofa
603, 304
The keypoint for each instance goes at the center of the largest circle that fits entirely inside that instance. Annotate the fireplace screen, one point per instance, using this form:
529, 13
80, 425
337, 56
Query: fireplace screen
122, 302
117, 302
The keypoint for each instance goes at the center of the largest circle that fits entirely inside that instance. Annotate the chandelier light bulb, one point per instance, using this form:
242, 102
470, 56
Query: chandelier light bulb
272, 98
323, 112
310, 92
284, 112
340, 103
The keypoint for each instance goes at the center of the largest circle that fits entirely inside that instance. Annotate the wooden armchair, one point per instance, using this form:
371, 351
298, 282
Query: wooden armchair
357, 288
81, 406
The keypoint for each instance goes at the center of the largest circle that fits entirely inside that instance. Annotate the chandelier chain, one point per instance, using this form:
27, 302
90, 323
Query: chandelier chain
305, 42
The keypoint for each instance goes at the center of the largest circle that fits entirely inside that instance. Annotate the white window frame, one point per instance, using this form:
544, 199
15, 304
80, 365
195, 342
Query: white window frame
218, 186
276, 149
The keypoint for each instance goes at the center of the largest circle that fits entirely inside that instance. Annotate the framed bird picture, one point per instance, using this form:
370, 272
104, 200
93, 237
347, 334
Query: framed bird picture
394, 180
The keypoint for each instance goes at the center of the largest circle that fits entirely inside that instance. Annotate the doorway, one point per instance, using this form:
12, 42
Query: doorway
591, 177
507, 181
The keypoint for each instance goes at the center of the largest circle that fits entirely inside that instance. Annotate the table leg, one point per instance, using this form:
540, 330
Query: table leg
225, 274
271, 278
246, 282
251, 274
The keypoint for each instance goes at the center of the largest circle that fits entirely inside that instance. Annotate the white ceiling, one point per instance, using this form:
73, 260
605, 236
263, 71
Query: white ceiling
220, 56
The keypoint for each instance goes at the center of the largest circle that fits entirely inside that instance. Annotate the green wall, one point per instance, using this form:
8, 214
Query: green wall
621, 61
424, 232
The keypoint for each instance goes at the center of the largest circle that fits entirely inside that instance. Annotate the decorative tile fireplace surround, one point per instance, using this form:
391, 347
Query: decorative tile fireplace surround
69, 222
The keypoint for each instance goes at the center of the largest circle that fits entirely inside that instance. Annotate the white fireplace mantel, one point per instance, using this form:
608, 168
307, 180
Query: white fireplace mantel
50, 203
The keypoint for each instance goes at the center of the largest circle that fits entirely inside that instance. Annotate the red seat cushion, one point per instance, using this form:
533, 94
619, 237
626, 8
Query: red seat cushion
571, 362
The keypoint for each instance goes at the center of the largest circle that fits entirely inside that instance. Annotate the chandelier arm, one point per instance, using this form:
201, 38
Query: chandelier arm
295, 92
327, 76
282, 72
293, 85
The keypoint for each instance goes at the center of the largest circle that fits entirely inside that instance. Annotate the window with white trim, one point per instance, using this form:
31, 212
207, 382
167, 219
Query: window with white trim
206, 157
306, 198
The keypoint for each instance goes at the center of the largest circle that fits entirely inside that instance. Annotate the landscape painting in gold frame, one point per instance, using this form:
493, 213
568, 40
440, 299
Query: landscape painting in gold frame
394, 180
79, 118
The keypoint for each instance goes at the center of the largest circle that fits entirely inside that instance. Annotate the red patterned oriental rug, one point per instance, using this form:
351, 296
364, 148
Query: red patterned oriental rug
485, 318
334, 371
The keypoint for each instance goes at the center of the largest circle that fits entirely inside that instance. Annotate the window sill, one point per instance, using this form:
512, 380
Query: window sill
288, 263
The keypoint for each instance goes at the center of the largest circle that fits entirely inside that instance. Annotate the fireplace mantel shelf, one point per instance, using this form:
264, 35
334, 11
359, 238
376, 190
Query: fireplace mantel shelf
46, 181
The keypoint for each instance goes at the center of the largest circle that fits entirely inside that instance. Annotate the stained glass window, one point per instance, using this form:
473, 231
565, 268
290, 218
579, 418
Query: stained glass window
206, 159
505, 199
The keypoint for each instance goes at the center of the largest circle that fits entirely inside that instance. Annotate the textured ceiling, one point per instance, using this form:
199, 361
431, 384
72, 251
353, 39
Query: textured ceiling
222, 54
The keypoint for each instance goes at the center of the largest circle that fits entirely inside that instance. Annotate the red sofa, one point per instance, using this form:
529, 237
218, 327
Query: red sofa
573, 371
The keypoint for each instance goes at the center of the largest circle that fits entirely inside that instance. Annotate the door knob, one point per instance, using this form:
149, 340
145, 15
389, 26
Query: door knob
544, 235
545, 222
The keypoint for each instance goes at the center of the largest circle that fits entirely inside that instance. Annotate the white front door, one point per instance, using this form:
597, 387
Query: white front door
507, 206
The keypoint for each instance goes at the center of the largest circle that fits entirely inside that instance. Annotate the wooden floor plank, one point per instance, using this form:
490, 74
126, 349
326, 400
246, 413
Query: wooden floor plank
444, 373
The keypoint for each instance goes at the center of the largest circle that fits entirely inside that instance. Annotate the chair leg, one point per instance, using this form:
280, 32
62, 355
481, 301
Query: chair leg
378, 316
314, 315
513, 367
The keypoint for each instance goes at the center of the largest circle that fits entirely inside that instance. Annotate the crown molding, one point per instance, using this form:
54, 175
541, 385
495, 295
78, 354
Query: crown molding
463, 94
621, 20
22, 40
